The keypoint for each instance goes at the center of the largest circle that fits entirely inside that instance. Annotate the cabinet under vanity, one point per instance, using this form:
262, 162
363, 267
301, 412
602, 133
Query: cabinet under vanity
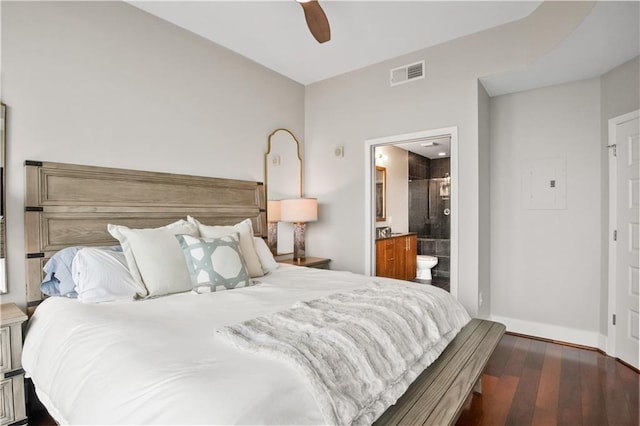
396, 256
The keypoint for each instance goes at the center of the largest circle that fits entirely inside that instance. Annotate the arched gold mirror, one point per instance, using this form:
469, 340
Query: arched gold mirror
283, 179
3, 208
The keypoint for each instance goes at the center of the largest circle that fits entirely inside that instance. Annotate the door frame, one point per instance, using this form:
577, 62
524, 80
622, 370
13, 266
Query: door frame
369, 188
613, 211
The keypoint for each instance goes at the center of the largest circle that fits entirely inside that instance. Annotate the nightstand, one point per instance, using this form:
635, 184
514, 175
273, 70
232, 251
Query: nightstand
309, 262
12, 403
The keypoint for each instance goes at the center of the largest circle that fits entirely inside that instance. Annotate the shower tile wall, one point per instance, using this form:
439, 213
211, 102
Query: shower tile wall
433, 228
419, 173
439, 167
419, 167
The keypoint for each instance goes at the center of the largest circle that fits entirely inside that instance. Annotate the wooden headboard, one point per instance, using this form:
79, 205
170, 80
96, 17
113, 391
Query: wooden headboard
70, 205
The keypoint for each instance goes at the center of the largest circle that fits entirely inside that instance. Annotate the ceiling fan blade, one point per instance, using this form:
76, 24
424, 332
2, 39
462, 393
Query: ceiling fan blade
316, 21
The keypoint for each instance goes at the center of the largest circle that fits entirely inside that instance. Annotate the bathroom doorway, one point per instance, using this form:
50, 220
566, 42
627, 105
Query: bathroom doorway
429, 183
421, 185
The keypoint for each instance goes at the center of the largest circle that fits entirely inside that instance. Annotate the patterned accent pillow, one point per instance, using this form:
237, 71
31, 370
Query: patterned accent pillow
245, 231
215, 264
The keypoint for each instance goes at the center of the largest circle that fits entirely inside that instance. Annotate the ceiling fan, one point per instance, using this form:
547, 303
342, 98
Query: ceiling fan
316, 20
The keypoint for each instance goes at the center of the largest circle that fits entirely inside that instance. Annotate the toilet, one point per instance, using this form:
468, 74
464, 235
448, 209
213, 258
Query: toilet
425, 263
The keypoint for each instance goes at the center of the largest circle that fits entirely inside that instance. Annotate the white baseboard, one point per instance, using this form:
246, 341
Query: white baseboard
602, 343
575, 336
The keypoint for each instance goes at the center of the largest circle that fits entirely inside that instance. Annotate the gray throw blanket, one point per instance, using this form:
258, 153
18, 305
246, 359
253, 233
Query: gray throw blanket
361, 349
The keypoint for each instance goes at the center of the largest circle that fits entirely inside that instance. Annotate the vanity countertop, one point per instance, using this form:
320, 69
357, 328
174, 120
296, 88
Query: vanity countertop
396, 235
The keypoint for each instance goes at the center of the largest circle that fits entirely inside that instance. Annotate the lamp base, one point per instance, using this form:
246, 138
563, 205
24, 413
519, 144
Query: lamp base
272, 237
298, 240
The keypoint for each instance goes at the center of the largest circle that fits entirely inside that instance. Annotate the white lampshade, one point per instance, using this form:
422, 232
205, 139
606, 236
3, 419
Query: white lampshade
299, 210
273, 211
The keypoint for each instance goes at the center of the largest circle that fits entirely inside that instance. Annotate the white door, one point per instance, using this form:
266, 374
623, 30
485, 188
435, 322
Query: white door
625, 132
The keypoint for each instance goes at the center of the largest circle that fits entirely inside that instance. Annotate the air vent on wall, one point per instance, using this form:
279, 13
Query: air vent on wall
407, 73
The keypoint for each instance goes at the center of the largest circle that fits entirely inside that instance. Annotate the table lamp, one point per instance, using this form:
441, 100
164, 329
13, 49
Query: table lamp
273, 217
299, 211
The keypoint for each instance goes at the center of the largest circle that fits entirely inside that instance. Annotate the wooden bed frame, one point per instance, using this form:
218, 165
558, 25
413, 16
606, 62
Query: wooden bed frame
71, 205
438, 395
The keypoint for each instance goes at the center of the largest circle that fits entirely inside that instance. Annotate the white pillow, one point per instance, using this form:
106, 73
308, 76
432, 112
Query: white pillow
155, 258
102, 275
269, 264
245, 229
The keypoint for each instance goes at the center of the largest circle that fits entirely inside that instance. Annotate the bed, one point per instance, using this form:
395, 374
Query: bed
172, 359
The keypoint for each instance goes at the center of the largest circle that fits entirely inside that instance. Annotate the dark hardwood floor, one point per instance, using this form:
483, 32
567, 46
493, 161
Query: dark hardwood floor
530, 382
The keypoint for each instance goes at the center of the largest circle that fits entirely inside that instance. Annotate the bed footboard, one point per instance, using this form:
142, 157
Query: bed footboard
437, 396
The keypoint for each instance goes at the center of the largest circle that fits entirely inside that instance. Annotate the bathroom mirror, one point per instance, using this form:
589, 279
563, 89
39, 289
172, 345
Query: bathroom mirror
3, 249
283, 179
381, 194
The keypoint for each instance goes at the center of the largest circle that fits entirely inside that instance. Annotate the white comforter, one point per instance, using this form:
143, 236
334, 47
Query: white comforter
160, 361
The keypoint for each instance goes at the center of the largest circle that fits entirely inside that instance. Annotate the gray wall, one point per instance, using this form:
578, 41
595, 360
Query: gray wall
484, 188
107, 84
545, 264
352, 108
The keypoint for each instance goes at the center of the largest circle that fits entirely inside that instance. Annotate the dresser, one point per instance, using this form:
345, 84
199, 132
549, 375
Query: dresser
396, 256
12, 401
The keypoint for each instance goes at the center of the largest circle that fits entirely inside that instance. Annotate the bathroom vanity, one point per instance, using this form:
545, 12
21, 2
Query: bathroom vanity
396, 256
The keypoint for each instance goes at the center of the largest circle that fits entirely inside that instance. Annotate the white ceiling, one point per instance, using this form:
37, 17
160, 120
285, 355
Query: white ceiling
608, 37
432, 148
274, 34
